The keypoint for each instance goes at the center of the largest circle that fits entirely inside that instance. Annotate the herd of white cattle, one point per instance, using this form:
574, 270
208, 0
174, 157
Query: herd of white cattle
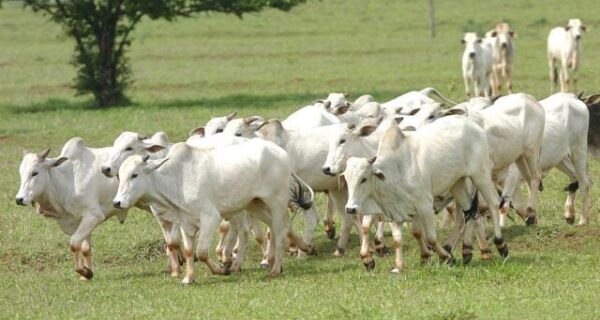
488, 62
400, 161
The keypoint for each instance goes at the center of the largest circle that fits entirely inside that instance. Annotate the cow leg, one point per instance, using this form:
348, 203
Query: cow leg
553, 73
417, 232
462, 198
187, 234
509, 86
380, 247
208, 225
339, 198
486, 188
564, 77
467, 92
243, 231
533, 163
510, 185
224, 228
310, 225
84, 230
567, 167
365, 253
328, 222
172, 245
230, 243
532, 185
86, 252
397, 235
428, 218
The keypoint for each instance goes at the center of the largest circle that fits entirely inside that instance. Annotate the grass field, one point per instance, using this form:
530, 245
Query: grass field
270, 64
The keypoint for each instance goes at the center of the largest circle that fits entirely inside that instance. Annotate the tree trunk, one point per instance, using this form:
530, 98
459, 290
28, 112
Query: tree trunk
109, 91
431, 19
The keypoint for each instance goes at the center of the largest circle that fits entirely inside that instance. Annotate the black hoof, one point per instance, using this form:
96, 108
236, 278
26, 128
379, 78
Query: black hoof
450, 261
570, 220
330, 233
86, 273
264, 266
448, 248
369, 265
226, 269
382, 251
340, 251
467, 257
531, 221
503, 251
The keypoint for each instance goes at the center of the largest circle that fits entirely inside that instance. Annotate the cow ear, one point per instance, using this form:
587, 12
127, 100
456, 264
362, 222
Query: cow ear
230, 116
462, 41
197, 132
152, 165
398, 119
327, 104
512, 34
453, 111
399, 110
494, 34
341, 181
413, 112
52, 163
479, 40
379, 174
584, 28
567, 28
366, 130
342, 109
154, 148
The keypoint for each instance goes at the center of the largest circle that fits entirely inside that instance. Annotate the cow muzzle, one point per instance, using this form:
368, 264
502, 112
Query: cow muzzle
117, 204
351, 210
107, 171
472, 55
327, 171
20, 201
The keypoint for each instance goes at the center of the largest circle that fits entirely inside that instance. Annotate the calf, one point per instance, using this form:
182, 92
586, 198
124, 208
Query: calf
503, 52
564, 46
476, 64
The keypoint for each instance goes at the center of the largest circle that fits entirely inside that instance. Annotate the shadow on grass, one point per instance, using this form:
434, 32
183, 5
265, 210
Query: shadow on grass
235, 101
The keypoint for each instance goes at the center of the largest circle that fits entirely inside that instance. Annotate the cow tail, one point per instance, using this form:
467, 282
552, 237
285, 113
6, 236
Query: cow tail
471, 213
302, 194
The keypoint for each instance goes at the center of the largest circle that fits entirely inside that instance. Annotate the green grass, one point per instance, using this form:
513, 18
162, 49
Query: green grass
270, 64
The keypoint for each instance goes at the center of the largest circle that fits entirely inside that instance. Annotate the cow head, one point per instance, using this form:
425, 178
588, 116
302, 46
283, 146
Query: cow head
576, 28
336, 103
360, 176
345, 142
133, 182
128, 144
218, 124
504, 35
35, 175
472, 43
245, 127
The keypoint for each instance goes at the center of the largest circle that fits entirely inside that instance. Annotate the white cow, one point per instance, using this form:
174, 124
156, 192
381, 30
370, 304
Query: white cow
564, 46
514, 125
214, 125
409, 172
308, 150
411, 100
503, 52
476, 64
71, 190
564, 147
197, 188
369, 110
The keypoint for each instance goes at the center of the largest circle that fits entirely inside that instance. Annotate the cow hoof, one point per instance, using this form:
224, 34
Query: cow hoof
382, 251
531, 221
264, 265
330, 233
503, 251
450, 260
186, 282
226, 271
339, 252
570, 220
467, 257
396, 270
448, 248
370, 265
86, 273
312, 251
236, 269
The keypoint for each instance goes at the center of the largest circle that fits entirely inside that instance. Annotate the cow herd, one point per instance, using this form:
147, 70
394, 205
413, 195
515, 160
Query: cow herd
488, 62
401, 161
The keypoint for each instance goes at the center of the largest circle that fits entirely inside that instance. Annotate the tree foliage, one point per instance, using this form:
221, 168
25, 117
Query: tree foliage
102, 28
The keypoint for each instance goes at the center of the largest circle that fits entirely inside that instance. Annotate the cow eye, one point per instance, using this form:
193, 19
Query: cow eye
133, 176
35, 173
363, 180
430, 117
219, 130
128, 149
238, 134
342, 141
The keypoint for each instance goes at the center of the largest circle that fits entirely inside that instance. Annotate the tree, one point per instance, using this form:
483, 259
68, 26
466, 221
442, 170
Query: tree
101, 30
